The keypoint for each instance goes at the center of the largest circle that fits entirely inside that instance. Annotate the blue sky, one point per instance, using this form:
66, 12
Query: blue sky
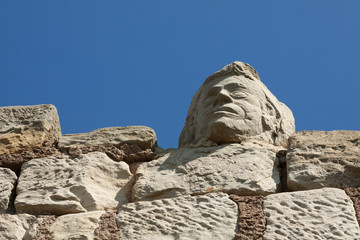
122, 63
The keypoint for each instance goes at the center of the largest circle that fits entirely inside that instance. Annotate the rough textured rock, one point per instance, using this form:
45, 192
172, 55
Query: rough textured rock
354, 194
16, 160
107, 228
130, 144
230, 168
233, 106
317, 159
76, 226
17, 227
251, 217
326, 213
212, 216
61, 186
24, 127
127, 153
44, 224
7, 184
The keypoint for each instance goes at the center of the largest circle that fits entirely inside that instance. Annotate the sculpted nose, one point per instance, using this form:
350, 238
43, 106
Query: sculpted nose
222, 97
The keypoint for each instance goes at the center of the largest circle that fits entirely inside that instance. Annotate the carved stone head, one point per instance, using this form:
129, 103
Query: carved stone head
233, 106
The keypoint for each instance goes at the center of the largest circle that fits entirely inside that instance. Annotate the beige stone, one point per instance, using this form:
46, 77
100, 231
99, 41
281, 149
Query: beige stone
234, 106
61, 186
7, 183
17, 227
326, 213
317, 159
212, 216
25, 127
230, 168
142, 136
76, 226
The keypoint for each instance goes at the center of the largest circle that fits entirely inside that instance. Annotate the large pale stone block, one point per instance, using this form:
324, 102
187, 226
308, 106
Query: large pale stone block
230, 168
7, 184
212, 216
18, 227
129, 144
234, 106
317, 159
326, 213
142, 136
76, 226
24, 127
61, 186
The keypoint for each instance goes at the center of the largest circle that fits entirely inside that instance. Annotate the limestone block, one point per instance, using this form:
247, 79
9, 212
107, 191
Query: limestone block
24, 127
144, 137
211, 216
129, 144
317, 159
326, 213
61, 186
7, 184
75, 226
17, 227
234, 106
230, 168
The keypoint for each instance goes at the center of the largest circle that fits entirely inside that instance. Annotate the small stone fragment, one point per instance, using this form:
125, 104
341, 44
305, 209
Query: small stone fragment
354, 194
317, 159
17, 227
7, 183
212, 216
44, 224
107, 228
230, 168
326, 213
251, 217
76, 226
62, 186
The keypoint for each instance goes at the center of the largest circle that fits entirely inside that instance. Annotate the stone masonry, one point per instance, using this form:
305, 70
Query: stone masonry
241, 172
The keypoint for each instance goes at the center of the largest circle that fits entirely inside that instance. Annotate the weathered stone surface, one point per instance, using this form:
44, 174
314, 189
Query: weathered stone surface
354, 194
16, 160
234, 106
44, 224
61, 186
129, 144
251, 220
230, 168
25, 127
212, 216
7, 184
107, 228
76, 226
326, 213
317, 159
142, 136
17, 227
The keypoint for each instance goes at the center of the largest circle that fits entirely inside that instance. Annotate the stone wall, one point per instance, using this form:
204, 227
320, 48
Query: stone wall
115, 183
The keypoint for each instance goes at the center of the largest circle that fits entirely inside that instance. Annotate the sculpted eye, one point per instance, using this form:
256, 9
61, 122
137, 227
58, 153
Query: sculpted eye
239, 94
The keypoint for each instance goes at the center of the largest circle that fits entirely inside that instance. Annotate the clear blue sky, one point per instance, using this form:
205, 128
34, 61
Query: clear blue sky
121, 63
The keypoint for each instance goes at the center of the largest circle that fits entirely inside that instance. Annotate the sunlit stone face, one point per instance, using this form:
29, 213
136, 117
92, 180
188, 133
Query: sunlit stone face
227, 109
233, 106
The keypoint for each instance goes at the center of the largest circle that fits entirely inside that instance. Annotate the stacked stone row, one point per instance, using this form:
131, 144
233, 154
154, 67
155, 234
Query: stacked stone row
55, 186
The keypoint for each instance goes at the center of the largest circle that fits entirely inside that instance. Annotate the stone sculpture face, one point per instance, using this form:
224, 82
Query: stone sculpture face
233, 106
